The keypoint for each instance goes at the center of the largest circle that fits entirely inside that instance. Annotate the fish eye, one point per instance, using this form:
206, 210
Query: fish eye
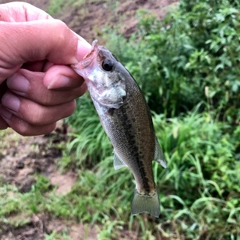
107, 65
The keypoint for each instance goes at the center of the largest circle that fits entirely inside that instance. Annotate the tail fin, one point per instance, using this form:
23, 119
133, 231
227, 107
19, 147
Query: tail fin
146, 203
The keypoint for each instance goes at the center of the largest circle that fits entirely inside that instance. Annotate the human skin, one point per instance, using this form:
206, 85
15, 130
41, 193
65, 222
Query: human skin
37, 85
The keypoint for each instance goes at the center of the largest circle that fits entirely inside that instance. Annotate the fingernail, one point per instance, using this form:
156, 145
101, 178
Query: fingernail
83, 48
59, 82
18, 82
11, 102
5, 113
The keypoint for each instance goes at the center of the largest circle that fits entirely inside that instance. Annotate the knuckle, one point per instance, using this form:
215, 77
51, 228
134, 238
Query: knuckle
70, 108
46, 99
3, 124
37, 117
20, 126
25, 129
49, 128
60, 24
63, 31
40, 115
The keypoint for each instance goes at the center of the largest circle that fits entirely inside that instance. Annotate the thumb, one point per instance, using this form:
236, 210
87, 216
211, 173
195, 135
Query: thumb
38, 40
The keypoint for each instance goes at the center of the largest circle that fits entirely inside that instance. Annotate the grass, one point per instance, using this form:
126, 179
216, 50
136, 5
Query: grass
200, 153
55, 6
199, 192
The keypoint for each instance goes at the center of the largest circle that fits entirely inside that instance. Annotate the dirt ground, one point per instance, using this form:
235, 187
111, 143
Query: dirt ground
87, 18
22, 157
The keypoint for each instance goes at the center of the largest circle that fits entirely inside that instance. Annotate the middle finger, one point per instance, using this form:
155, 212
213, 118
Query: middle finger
34, 113
31, 85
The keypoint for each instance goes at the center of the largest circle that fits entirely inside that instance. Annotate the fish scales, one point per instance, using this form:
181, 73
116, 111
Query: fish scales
134, 144
126, 119
138, 141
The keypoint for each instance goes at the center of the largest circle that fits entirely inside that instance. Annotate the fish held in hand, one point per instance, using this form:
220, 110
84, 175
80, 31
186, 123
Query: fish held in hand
126, 118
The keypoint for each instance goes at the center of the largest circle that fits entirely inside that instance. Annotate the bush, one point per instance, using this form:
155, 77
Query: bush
201, 190
190, 57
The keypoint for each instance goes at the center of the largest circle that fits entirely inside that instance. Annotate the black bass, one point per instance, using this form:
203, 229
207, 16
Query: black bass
126, 119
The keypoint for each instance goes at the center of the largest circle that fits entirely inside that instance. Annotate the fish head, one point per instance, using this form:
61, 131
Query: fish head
104, 76
97, 66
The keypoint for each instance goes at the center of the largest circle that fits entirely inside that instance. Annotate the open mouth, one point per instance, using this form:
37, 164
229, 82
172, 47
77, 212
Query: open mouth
87, 60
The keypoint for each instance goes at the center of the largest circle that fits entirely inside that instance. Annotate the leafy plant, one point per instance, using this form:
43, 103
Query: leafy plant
188, 58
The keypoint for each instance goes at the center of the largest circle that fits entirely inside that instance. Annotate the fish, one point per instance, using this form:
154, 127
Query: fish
126, 119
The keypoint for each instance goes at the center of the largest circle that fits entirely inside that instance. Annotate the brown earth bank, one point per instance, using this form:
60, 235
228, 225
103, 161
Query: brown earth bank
22, 157
88, 18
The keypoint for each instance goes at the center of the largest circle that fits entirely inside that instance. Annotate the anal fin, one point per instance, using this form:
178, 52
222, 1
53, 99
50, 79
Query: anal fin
158, 155
117, 162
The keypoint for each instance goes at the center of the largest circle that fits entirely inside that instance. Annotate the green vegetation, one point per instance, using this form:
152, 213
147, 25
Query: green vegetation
55, 6
187, 67
190, 57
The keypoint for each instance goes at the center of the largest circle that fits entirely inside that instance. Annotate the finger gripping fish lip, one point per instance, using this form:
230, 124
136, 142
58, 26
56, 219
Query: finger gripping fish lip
87, 59
95, 49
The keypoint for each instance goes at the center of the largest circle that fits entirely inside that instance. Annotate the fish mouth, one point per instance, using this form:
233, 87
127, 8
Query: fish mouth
87, 60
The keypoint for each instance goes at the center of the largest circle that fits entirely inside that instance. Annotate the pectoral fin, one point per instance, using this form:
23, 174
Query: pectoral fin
117, 162
158, 156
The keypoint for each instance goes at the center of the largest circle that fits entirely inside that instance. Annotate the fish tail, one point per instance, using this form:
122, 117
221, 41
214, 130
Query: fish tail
146, 203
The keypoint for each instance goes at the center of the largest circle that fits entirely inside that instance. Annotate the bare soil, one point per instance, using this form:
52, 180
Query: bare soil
22, 157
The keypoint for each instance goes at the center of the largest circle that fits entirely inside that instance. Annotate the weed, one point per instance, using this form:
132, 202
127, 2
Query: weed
55, 6
186, 58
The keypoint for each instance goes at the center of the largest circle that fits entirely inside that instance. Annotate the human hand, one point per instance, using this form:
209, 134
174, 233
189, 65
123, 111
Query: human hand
37, 86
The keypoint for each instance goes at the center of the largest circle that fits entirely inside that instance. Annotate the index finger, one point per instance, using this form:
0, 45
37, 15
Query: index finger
38, 40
